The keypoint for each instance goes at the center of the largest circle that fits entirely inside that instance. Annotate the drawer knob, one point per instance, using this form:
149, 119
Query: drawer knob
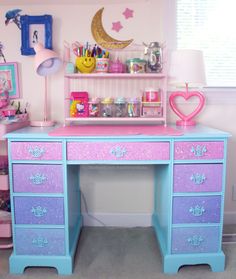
199, 150
38, 179
197, 210
195, 240
198, 178
39, 211
37, 151
118, 151
40, 242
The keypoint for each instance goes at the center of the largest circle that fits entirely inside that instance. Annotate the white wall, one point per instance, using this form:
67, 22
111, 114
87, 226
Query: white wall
113, 189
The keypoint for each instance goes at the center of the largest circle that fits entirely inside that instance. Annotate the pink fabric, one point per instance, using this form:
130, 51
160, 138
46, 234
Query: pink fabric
115, 130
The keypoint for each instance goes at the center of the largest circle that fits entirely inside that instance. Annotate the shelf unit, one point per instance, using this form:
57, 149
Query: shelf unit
114, 85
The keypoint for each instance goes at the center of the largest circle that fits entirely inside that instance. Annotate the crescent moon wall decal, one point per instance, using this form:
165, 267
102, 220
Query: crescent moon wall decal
101, 36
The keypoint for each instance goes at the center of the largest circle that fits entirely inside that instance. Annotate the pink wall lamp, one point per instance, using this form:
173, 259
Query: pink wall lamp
47, 62
187, 70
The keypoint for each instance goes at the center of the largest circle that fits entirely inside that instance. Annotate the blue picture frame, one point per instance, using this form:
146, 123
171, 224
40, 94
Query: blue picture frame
35, 29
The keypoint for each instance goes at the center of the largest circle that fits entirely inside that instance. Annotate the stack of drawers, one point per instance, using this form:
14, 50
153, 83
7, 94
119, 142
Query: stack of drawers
37, 198
197, 201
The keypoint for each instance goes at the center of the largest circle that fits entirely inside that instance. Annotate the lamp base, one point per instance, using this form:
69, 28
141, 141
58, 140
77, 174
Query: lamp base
42, 123
185, 123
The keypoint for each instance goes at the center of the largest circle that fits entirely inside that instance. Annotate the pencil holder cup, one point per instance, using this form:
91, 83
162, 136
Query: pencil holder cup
85, 64
102, 65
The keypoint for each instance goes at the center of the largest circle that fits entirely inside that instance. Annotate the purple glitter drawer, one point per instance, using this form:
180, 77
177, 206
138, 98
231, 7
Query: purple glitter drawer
39, 210
195, 240
198, 150
36, 151
119, 151
198, 178
39, 241
196, 209
38, 178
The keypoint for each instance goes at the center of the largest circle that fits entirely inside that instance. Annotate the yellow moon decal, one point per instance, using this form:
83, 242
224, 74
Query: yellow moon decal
101, 36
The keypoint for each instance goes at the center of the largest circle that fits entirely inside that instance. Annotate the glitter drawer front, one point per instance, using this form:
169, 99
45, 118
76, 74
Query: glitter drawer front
39, 210
198, 177
195, 240
38, 178
198, 150
118, 151
39, 241
36, 151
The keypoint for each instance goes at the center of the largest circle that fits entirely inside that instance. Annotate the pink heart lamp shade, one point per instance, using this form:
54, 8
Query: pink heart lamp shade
187, 70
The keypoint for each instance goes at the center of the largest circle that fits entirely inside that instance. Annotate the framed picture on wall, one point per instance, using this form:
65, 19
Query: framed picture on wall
9, 79
35, 29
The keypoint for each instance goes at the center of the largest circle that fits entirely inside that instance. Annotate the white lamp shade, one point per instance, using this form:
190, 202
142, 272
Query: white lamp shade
187, 67
46, 61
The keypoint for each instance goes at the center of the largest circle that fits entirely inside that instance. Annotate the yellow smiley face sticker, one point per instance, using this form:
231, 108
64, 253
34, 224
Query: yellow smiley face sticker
85, 64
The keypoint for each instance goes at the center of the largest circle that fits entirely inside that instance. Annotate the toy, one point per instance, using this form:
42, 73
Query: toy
79, 104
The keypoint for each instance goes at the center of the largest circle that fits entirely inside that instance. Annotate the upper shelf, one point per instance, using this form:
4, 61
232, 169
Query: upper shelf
116, 75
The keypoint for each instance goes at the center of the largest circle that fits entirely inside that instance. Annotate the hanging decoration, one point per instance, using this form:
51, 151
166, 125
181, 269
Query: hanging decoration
101, 36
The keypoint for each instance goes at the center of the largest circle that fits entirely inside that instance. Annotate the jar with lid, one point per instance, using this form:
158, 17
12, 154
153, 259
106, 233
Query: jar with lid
154, 57
120, 107
107, 107
133, 107
94, 107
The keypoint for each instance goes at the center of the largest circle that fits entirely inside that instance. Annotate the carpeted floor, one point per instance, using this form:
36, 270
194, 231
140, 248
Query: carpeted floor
121, 253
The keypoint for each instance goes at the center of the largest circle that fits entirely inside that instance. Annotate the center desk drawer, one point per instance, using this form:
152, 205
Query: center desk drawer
36, 151
126, 151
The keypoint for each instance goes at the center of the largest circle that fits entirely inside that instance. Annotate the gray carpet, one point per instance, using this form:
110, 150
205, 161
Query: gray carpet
119, 253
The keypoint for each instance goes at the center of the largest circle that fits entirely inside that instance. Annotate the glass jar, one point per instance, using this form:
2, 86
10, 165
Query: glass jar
133, 107
94, 107
120, 107
107, 107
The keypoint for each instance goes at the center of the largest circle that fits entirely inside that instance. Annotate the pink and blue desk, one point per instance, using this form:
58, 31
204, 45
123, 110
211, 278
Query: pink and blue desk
189, 186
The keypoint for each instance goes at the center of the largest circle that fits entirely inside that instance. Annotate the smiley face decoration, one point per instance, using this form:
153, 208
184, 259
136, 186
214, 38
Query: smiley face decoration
101, 36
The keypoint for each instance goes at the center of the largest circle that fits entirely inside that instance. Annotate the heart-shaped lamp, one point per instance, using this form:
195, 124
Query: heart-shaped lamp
187, 69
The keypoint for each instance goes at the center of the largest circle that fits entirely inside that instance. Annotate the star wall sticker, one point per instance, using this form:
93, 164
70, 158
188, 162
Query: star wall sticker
128, 13
116, 26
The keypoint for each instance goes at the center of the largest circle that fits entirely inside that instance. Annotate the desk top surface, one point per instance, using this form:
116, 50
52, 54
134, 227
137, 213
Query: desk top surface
117, 132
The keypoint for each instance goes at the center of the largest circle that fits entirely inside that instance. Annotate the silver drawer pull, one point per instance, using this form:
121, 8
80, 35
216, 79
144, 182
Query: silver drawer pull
36, 152
39, 211
197, 210
40, 242
199, 150
38, 179
195, 240
118, 151
198, 178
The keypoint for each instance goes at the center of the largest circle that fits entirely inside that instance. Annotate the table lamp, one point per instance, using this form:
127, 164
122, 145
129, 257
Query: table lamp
46, 62
187, 70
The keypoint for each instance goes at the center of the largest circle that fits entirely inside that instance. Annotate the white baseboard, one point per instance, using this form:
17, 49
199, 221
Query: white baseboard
117, 219
230, 218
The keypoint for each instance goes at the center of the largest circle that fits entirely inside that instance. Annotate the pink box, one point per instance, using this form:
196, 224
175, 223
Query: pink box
79, 104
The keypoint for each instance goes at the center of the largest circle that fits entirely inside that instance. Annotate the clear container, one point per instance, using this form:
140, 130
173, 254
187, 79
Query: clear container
133, 107
94, 107
120, 107
107, 107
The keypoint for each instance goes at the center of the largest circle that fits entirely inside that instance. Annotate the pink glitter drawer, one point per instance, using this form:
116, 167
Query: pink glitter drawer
198, 177
199, 150
118, 151
36, 151
38, 178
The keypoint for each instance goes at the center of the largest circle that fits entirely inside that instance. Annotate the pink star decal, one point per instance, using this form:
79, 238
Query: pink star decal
128, 13
116, 26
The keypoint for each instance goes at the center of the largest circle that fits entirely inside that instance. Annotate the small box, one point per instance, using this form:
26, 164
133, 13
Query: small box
151, 109
79, 104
